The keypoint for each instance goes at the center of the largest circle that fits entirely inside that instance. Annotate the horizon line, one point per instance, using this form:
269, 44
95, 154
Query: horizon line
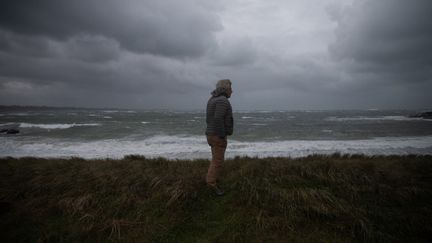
194, 109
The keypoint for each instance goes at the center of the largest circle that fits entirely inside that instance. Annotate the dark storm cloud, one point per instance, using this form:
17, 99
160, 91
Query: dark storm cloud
91, 48
83, 47
169, 54
127, 82
234, 53
390, 40
133, 74
24, 45
86, 71
90, 52
170, 28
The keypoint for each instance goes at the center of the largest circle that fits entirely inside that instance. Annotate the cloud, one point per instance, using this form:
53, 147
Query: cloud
169, 28
23, 45
81, 52
390, 40
169, 54
234, 52
90, 48
85, 70
82, 47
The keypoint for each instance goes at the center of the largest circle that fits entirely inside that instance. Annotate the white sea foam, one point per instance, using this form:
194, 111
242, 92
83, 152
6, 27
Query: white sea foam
267, 111
117, 111
107, 117
145, 122
8, 124
379, 118
189, 147
19, 114
56, 126
247, 117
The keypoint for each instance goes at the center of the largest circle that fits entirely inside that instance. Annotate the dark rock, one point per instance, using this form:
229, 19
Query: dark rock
12, 131
9, 131
424, 115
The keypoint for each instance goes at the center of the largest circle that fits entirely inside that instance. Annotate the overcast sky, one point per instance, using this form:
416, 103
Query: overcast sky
168, 54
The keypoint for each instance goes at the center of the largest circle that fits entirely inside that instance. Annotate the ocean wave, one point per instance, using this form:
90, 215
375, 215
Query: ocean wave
7, 124
117, 111
380, 118
21, 114
56, 126
192, 147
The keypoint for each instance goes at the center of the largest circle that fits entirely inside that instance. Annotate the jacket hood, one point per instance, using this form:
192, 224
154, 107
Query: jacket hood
219, 91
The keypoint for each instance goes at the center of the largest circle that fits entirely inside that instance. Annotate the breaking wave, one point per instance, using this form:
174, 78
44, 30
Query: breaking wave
193, 147
56, 126
380, 118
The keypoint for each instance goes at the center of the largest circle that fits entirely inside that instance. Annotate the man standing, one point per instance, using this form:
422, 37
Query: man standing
220, 124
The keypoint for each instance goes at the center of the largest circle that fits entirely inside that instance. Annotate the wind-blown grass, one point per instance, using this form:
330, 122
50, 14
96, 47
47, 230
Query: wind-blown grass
338, 198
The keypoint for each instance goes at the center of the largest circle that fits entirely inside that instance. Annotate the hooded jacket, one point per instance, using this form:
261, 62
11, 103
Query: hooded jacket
220, 120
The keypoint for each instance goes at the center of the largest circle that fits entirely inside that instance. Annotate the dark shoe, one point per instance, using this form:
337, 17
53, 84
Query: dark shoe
217, 190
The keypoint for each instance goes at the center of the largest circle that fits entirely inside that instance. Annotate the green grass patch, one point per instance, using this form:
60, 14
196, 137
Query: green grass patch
337, 198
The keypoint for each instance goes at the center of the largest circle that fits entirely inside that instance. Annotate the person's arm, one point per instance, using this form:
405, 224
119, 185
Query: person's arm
229, 125
219, 117
229, 121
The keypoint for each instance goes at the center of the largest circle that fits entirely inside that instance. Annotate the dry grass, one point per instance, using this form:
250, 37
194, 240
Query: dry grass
338, 198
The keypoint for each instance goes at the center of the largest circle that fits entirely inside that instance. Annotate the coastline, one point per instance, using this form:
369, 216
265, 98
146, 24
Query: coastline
175, 147
334, 198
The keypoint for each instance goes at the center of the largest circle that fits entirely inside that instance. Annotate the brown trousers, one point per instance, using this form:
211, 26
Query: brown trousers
218, 146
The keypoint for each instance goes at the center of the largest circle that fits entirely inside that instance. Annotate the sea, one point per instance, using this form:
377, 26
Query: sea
114, 133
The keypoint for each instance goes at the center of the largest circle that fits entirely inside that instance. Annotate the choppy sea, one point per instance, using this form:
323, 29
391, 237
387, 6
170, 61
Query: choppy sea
114, 133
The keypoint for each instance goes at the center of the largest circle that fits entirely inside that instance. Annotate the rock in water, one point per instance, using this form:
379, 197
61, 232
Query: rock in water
9, 131
424, 115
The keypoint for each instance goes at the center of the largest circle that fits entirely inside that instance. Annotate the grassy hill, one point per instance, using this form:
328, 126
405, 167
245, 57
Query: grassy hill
338, 198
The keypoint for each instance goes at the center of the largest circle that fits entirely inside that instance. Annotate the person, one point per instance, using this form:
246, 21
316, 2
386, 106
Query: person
220, 124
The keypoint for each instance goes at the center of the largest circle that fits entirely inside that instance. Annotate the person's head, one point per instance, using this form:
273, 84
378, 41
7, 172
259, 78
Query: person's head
226, 85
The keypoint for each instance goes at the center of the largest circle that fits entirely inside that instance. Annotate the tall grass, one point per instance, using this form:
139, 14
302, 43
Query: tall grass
337, 198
